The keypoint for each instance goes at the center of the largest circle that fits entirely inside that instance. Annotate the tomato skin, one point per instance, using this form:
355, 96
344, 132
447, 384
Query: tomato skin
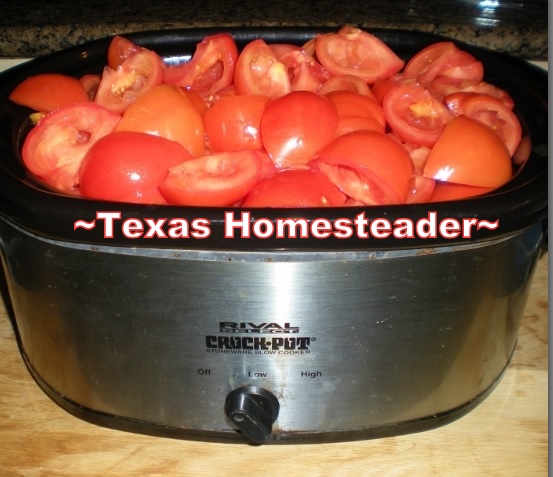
491, 111
48, 91
138, 74
233, 123
259, 71
294, 127
119, 49
54, 149
295, 188
213, 180
470, 153
166, 111
445, 191
368, 166
210, 69
128, 166
356, 52
414, 114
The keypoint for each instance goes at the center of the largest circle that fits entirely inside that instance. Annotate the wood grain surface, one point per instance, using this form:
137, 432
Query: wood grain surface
507, 435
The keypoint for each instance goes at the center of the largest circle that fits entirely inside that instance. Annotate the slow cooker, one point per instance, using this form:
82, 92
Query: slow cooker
220, 337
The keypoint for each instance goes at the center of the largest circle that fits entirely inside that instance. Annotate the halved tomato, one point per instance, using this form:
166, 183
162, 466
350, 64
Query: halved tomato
233, 123
294, 127
357, 52
414, 114
210, 69
129, 166
295, 188
48, 91
167, 111
138, 74
491, 111
368, 166
469, 152
259, 71
215, 180
56, 146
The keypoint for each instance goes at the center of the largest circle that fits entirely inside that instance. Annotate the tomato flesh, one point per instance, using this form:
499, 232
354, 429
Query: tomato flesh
55, 148
214, 180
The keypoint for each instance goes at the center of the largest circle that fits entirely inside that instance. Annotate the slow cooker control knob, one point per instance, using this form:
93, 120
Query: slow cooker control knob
252, 411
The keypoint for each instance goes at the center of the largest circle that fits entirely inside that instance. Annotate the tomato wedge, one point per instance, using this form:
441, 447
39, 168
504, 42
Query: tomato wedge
119, 49
443, 59
491, 111
233, 123
48, 91
167, 111
138, 74
414, 114
295, 188
210, 69
129, 166
445, 191
470, 153
56, 146
368, 166
259, 71
214, 180
356, 52
294, 127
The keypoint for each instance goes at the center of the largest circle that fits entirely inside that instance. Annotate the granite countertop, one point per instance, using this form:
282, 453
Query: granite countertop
35, 28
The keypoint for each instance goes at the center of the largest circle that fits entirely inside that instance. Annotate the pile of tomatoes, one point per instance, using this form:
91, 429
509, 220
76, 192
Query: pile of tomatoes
339, 121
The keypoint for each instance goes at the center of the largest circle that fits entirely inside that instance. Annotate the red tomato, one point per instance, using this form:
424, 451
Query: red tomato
414, 114
48, 91
259, 71
294, 127
215, 180
449, 191
210, 69
129, 166
305, 73
443, 59
120, 48
356, 52
469, 152
119, 87
56, 146
490, 111
233, 123
167, 111
368, 166
295, 188
357, 112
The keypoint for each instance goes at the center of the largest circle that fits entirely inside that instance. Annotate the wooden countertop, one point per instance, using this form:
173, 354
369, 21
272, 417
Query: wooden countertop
507, 435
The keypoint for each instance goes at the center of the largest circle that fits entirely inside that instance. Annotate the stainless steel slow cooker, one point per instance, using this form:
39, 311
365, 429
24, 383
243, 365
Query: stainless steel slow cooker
271, 340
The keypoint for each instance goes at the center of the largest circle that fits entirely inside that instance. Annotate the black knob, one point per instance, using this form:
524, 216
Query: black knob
252, 411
